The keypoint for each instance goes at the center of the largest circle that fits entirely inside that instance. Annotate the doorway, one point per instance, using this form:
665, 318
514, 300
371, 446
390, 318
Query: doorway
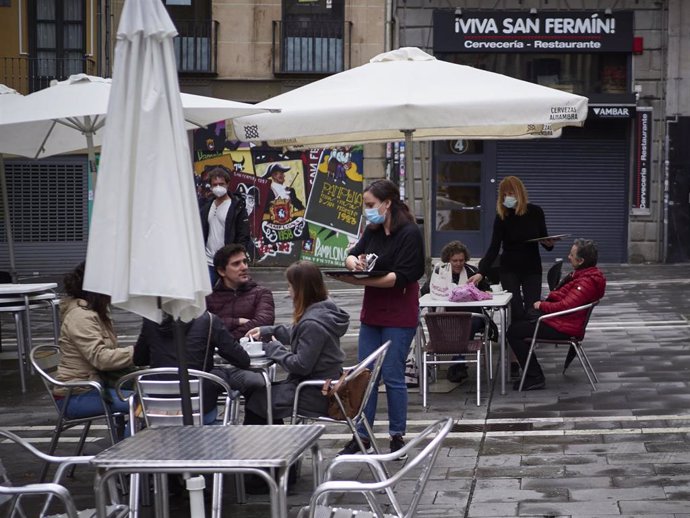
461, 187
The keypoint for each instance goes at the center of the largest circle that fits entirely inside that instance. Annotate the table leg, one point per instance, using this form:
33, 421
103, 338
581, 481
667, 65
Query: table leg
269, 397
282, 491
502, 314
316, 461
420, 364
99, 490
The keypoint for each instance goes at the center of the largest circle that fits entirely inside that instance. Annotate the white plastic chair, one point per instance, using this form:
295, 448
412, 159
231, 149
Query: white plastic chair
371, 491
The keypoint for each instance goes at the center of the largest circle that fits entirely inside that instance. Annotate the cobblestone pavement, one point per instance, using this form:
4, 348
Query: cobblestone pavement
566, 451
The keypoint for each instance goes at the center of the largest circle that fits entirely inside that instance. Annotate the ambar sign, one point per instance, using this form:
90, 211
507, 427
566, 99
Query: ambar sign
612, 112
520, 31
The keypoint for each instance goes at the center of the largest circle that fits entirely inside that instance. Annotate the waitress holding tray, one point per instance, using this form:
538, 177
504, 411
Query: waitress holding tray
518, 227
390, 309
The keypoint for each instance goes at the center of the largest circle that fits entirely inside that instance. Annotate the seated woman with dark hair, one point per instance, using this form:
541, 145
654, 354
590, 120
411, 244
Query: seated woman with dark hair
308, 349
584, 285
88, 346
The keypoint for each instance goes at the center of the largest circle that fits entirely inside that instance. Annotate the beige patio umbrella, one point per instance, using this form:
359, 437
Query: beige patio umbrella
409, 94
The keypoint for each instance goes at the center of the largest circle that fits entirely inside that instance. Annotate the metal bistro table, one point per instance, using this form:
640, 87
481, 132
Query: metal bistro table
211, 449
23, 293
500, 302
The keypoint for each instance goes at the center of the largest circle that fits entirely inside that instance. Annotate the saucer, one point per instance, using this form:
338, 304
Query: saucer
257, 355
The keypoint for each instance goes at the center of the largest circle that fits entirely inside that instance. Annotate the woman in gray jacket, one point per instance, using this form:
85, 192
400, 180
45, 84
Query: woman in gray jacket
308, 349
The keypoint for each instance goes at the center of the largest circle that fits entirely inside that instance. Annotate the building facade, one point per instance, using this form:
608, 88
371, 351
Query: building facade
622, 179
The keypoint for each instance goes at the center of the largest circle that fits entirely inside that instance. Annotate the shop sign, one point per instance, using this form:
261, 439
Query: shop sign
521, 31
642, 162
611, 112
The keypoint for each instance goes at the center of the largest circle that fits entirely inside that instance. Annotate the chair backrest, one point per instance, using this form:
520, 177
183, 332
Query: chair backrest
449, 331
158, 396
45, 360
553, 276
423, 461
374, 362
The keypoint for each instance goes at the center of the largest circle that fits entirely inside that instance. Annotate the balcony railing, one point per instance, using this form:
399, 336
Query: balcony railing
196, 47
29, 74
313, 47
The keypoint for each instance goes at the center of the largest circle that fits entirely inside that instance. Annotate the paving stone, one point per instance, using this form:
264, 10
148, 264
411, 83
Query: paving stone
568, 508
567, 483
637, 493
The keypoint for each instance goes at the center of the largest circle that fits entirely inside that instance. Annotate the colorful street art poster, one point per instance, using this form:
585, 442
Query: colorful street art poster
335, 201
326, 247
277, 187
283, 215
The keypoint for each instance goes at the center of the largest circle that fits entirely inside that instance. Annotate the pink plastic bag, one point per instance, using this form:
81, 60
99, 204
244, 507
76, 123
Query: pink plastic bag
468, 293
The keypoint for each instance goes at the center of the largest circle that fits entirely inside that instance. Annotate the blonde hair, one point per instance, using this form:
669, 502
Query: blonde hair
515, 185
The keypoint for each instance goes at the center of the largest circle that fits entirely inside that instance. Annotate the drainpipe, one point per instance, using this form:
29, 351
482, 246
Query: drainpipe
666, 168
107, 70
387, 27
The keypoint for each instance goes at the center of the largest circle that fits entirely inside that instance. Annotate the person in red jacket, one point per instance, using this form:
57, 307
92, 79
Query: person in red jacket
584, 285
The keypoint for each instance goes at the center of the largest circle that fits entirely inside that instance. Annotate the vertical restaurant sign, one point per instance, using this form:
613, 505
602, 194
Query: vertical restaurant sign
522, 31
643, 162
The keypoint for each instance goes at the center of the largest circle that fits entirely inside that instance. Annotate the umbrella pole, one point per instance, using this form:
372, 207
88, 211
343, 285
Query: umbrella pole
185, 394
8, 224
409, 170
91, 150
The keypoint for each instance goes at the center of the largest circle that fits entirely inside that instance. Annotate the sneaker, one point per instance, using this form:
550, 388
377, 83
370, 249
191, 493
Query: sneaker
397, 443
352, 448
457, 373
531, 383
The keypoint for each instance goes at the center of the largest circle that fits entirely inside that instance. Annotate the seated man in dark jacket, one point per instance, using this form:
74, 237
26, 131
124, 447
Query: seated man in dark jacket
584, 285
236, 299
155, 347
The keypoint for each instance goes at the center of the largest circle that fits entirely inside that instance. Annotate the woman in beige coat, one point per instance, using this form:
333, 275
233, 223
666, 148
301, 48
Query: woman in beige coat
88, 344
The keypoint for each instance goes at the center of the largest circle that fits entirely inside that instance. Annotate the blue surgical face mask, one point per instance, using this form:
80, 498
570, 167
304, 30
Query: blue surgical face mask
373, 215
510, 202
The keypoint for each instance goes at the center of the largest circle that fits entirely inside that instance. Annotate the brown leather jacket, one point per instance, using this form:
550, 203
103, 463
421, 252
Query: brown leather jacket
249, 301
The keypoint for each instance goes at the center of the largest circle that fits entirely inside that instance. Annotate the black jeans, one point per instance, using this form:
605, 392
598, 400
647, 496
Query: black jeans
521, 329
526, 290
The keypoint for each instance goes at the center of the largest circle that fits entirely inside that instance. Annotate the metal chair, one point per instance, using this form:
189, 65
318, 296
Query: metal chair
374, 362
449, 335
54, 489
575, 343
553, 276
156, 400
383, 483
45, 360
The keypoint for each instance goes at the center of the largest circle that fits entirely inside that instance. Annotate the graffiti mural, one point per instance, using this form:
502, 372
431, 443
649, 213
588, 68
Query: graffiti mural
301, 204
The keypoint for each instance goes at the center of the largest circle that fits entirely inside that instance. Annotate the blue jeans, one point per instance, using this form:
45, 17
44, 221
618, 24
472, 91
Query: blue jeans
392, 373
90, 404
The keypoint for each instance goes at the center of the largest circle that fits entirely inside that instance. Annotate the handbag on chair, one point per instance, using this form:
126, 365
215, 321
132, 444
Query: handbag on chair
350, 393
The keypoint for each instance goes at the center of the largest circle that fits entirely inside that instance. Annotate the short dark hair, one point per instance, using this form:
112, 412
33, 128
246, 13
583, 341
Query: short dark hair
586, 250
223, 255
454, 248
219, 171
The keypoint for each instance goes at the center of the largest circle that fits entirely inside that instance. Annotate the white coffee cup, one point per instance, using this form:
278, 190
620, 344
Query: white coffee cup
496, 288
252, 348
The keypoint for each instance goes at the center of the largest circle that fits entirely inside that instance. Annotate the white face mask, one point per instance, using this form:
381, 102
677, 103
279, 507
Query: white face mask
510, 202
219, 191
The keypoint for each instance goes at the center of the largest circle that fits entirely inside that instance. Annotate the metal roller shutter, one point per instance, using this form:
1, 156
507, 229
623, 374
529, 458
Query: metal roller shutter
48, 210
582, 186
